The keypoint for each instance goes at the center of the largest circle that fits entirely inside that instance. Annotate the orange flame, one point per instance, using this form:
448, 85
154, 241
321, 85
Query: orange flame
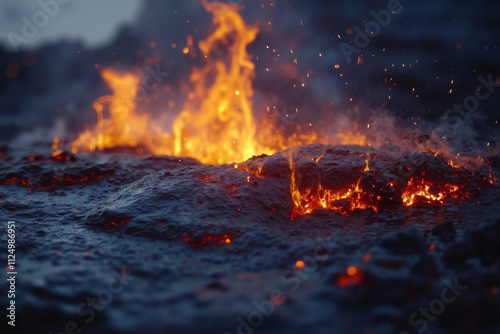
124, 127
421, 188
217, 125
307, 200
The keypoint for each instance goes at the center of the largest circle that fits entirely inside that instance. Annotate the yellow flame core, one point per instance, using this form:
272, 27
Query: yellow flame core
307, 200
123, 127
420, 188
217, 124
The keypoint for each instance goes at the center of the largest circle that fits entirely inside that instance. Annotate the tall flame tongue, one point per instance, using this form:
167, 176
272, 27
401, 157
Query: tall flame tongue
217, 125
124, 127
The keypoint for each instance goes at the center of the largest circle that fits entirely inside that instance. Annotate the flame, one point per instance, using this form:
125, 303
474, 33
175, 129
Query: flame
124, 127
217, 124
432, 194
307, 200
360, 195
352, 136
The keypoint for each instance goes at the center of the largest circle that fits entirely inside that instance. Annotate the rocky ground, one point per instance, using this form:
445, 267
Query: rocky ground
112, 242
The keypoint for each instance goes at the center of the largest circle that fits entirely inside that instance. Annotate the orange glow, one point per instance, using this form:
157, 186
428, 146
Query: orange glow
345, 281
224, 239
300, 264
309, 193
307, 200
351, 271
424, 189
216, 124
123, 127
353, 136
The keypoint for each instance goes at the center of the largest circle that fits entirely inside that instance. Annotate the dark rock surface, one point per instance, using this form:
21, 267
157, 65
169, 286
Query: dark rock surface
168, 245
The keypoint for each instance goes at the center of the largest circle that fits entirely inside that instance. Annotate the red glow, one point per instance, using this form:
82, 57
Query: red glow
345, 280
198, 242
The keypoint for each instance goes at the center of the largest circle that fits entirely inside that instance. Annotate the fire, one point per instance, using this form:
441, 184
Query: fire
217, 124
432, 194
124, 127
353, 136
343, 200
309, 192
300, 264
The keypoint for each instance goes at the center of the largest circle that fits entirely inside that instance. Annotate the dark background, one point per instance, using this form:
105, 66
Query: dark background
443, 40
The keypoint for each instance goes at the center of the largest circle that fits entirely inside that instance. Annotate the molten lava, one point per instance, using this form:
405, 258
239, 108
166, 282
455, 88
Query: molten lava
337, 185
430, 193
343, 200
217, 126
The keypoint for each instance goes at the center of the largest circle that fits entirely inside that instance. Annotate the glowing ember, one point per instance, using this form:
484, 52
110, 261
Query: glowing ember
351, 271
343, 200
353, 277
428, 191
324, 183
200, 241
300, 264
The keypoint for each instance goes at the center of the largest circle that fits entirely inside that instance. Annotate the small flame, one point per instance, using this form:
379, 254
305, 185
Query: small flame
307, 200
124, 127
432, 194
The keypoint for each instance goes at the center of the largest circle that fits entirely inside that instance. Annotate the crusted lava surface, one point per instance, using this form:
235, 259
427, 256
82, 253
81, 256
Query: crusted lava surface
217, 245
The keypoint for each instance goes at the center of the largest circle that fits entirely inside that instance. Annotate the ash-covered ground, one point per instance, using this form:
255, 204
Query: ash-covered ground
112, 242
